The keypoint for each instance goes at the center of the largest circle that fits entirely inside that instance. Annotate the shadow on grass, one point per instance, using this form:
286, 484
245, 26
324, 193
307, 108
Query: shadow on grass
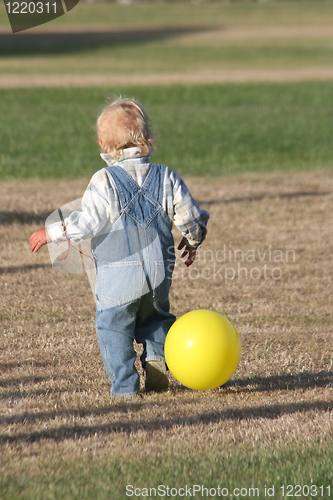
291, 382
28, 394
62, 42
9, 382
297, 194
9, 217
20, 269
233, 414
28, 362
287, 382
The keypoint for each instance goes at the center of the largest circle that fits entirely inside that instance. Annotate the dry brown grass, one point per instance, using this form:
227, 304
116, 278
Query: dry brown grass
203, 76
54, 391
19, 71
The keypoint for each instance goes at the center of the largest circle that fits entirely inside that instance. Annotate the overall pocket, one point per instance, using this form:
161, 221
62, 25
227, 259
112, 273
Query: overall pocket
122, 282
162, 280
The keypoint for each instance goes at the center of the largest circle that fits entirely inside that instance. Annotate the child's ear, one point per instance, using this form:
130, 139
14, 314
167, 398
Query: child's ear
103, 148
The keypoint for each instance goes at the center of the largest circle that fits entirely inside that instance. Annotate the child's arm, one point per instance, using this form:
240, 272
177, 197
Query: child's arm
80, 224
38, 239
189, 218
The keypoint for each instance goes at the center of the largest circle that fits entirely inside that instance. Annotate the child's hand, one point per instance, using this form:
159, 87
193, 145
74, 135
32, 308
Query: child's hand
190, 251
38, 239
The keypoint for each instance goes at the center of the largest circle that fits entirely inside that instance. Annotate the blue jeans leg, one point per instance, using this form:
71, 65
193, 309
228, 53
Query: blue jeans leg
118, 353
153, 323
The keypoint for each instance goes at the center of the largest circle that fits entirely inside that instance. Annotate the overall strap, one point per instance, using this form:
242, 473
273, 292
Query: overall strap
143, 203
153, 184
126, 186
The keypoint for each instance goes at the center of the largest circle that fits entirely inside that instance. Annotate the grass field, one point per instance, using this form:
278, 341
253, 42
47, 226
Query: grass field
211, 130
166, 38
258, 156
62, 436
143, 13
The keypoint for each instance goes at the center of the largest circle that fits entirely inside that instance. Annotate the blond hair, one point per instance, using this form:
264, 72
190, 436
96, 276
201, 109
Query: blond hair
124, 124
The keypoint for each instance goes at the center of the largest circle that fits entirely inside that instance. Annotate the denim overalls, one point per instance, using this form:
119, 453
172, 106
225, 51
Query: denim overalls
134, 264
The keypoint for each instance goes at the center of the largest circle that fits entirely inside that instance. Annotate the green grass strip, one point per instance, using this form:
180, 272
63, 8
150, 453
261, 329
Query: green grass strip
297, 469
201, 129
186, 12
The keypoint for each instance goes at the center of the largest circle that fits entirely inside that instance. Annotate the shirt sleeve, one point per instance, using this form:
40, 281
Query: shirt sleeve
189, 218
93, 216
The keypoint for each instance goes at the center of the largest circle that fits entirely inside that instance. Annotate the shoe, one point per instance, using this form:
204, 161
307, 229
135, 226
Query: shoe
156, 376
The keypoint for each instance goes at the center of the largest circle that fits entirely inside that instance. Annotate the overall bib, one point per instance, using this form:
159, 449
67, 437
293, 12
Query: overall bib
134, 264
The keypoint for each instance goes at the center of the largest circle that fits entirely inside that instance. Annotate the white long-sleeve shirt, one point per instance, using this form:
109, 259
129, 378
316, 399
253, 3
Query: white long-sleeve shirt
101, 205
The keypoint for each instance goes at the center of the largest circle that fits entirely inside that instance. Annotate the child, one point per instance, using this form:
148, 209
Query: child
127, 210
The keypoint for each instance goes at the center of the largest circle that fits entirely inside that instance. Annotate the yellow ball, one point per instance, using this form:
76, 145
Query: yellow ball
202, 349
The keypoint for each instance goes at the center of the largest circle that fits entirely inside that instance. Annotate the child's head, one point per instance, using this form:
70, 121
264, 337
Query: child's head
124, 124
